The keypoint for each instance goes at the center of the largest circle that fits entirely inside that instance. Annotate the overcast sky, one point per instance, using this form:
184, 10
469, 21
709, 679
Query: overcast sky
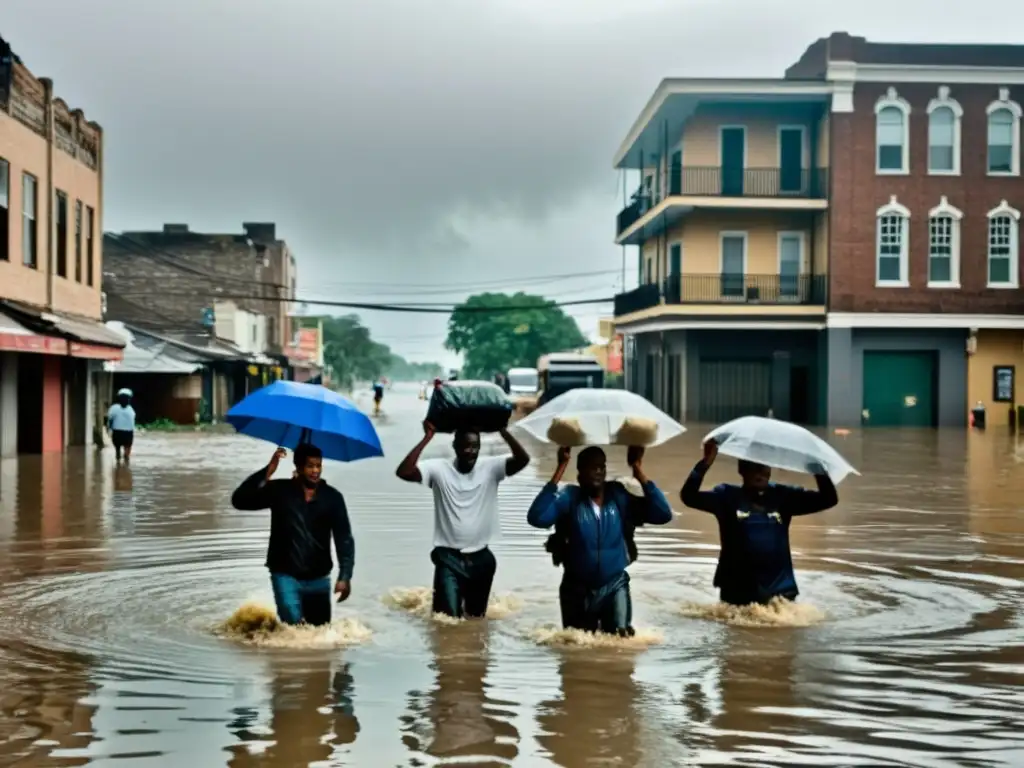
400, 143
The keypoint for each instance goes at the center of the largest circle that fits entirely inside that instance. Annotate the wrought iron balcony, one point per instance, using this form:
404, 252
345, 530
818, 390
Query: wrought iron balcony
716, 181
644, 297
726, 289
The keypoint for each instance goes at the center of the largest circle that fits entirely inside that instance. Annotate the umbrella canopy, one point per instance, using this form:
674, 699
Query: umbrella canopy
781, 445
600, 414
287, 413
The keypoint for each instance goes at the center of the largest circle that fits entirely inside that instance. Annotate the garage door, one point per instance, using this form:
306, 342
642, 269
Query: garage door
733, 388
900, 389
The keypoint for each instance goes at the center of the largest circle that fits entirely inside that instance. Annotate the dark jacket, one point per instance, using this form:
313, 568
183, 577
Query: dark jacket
755, 563
300, 532
597, 548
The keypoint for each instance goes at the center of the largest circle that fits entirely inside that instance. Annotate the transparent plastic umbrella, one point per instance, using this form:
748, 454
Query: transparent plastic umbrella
599, 416
781, 445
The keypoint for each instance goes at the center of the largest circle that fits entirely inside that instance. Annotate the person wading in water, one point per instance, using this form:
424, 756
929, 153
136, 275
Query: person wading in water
121, 423
755, 564
465, 516
305, 513
593, 538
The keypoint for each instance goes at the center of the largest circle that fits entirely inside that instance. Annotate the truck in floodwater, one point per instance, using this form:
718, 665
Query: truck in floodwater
561, 371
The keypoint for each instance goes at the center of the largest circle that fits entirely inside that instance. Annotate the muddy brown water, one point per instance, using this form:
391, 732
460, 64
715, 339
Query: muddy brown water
907, 648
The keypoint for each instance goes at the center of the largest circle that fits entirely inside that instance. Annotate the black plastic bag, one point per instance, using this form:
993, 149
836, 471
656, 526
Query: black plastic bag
478, 406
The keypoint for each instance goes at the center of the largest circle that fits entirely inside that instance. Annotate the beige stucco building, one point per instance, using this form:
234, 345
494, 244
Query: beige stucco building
51, 205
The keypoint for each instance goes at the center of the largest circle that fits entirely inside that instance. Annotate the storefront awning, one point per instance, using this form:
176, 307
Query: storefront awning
15, 337
75, 336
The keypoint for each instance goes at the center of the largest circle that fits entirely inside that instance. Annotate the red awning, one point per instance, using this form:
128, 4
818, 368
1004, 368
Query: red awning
14, 337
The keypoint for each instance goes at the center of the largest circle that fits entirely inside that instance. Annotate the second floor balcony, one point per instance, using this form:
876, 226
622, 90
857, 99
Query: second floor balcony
746, 185
725, 289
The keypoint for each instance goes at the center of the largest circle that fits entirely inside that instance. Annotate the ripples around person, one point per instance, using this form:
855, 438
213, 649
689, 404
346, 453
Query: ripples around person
755, 564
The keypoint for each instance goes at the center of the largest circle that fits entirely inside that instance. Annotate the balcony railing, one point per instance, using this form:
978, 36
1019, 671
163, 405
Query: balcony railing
645, 296
725, 289
716, 181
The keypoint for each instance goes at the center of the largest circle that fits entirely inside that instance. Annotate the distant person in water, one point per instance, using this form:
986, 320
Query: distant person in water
755, 564
305, 514
465, 516
593, 539
378, 397
121, 423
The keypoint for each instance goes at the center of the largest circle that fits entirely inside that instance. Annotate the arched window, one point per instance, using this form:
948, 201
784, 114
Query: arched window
892, 244
1003, 246
944, 245
892, 134
1004, 136
944, 114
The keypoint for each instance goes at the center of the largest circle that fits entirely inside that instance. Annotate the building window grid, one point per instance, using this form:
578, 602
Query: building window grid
891, 242
29, 230
942, 140
1000, 141
89, 244
940, 249
1000, 250
78, 241
61, 234
5, 210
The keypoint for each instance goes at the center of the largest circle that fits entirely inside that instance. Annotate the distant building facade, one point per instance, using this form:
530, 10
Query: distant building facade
170, 280
52, 340
840, 245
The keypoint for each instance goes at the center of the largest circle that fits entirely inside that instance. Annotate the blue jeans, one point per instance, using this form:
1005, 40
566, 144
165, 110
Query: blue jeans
302, 600
608, 608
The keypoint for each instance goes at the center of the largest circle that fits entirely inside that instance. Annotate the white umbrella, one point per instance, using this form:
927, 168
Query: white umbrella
781, 445
601, 417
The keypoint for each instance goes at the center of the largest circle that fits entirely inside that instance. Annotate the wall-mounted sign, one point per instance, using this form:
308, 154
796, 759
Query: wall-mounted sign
1004, 384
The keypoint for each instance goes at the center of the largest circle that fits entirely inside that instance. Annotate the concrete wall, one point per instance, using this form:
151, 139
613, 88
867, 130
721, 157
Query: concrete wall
163, 280
8, 404
846, 349
700, 139
995, 348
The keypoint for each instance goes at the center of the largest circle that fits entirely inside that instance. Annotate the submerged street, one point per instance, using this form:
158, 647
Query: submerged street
905, 647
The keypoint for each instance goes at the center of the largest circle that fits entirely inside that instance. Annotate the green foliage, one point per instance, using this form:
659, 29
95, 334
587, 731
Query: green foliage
353, 355
400, 369
494, 341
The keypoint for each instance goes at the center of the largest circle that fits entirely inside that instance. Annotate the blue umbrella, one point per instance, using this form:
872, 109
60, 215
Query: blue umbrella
287, 413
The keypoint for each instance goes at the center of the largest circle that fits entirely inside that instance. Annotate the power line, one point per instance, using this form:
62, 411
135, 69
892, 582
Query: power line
423, 308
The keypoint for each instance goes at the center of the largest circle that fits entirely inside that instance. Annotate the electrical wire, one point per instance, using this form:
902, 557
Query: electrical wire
422, 307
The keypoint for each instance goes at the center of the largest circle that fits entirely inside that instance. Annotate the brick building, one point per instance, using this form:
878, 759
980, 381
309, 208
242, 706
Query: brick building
52, 340
839, 245
169, 281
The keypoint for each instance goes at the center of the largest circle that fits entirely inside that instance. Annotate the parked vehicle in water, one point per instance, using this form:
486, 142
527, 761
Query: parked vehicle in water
523, 381
561, 371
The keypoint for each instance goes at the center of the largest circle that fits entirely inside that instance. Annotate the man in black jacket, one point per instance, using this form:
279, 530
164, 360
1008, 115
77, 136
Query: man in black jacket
305, 512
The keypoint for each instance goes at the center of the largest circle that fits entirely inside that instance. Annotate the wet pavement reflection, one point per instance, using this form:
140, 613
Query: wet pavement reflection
906, 647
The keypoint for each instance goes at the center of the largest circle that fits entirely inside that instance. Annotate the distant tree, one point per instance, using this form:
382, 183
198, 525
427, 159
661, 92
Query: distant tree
351, 351
513, 331
400, 369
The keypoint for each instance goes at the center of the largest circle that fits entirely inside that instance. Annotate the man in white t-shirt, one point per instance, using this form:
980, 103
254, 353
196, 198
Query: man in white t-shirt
465, 516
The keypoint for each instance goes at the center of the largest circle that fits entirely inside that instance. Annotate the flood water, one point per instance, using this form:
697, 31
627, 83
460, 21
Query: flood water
907, 647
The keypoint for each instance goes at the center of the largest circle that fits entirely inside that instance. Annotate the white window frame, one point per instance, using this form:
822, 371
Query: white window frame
721, 248
802, 237
891, 99
1001, 210
946, 210
1005, 103
894, 208
944, 101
